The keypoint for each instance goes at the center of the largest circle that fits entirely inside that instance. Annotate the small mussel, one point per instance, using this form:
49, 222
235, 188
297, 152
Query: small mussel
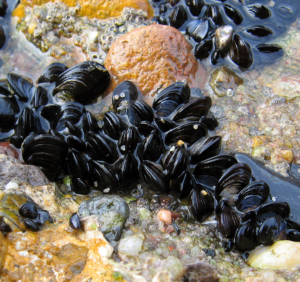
28, 210
75, 222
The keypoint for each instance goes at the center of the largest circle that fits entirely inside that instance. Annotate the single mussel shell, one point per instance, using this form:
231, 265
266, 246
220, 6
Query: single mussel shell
175, 160
75, 222
240, 52
51, 73
79, 186
223, 39
178, 16
195, 6
42, 217
245, 238
28, 210
214, 13
233, 181
113, 125
145, 128
207, 149
75, 143
31, 225
188, 133
201, 203
287, 10
99, 147
252, 196
272, 209
291, 234
152, 146
4, 227
50, 113
173, 2
126, 170
9, 109
233, 14
259, 11
76, 164
139, 111
203, 48
4, 89
194, 109
40, 97
3, 7
183, 184
210, 121
83, 82
89, 123
125, 91
259, 31
128, 140
154, 176
228, 220
170, 98
198, 29
165, 124
21, 86
269, 48
2, 37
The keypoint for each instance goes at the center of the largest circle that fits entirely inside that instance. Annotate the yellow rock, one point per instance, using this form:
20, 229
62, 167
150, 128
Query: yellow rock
287, 155
281, 255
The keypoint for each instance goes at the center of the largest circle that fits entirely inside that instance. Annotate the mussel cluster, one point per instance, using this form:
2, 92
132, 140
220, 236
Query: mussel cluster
240, 29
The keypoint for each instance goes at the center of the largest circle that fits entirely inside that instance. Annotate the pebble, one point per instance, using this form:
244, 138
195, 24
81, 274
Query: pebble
130, 246
165, 216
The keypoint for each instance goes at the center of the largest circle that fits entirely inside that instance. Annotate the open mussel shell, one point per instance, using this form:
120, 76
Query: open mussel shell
240, 52
194, 109
233, 14
175, 161
203, 48
76, 164
201, 203
188, 133
183, 184
139, 111
233, 181
99, 147
245, 238
198, 29
128, 140
170, 98
178, 16
113, 125
154, 176
79, 186
125, 91
152, 146
83, 82
228, 220
51, 73
259, 11
9, 109
207, 149
165, 124
214, 13
21, 86
195, 6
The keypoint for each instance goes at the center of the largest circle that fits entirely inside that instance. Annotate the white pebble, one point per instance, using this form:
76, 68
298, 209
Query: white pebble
11, 185
130, 246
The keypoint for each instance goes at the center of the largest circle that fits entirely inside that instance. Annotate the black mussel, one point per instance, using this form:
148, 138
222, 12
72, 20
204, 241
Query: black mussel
223, 39
21, 86
9, 109
233, 181
4, 89
28, 210
75, 143
183, 184
173, 2
152, 146
214, 13
126, 170
89, 123
228, 220
268, 48
2, 37
170, 98
128, 140
195, 6
113, 125
208, 148
201, 203
139, 111
259, 11
188, 133
51, 73
50, 112
79, 186
76, 164
31, 225
145, 128
178, 16
3, 7
233, 14
198, 29
99, 147
203, 48
194, 109
210, 121
40, 97
272, 230
162, 19
102, 176
176, 160
245, 238
154, 176
259, 31
42, 217
165, 124
69, 128
75, 222
240, 52
215, 57
83, 82
291, 234
125, 91
252, 196
4, 227
272, 209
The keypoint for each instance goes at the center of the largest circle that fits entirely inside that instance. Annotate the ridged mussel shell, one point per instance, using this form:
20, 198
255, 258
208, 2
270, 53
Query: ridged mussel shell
125, 91
9, 109
128, 140
51, 73
113, 125
195, 6
152, 146
198, 29
178, 16
21, 86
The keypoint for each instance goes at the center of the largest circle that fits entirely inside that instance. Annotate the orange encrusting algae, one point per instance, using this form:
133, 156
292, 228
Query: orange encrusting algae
101, 9
153, 57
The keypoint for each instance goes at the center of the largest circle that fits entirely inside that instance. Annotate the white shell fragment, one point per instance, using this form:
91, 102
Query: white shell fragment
281, 255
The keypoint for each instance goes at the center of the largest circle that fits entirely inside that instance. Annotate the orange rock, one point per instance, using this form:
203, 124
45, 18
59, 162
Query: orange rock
101, 9
153, 57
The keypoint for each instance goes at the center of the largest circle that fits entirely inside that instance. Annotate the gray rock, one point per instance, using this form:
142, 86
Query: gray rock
112, 211
200, 271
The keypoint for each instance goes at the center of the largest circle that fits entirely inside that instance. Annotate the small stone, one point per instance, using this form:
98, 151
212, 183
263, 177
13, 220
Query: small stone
174, 266
130, 246
165, 216
287, 155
